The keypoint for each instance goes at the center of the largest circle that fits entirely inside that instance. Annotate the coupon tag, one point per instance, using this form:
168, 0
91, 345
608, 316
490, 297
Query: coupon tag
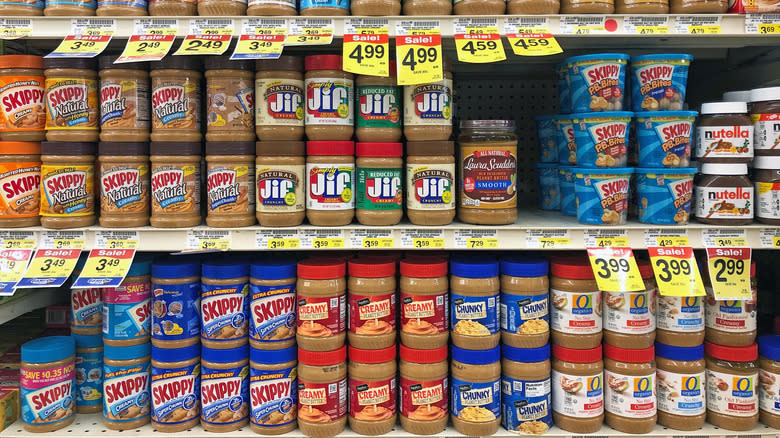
15, 28
418, 52
207, 37
697, 24
729, 270
762, 24
209, 240
50, 268
646, 25
13, 263
477, 40
615, 269
151, 40
531, 36
88, 38
261, 38
366, 46
676, 272
310, 32
277, 239
105, 268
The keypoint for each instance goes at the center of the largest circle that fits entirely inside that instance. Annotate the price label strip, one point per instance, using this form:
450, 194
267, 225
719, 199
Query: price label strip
476, 238
322, 239
590, 25
477, 40
88, 38
418, 52
105, 268
18, 239
605, 238
261, 38
547, 239
13, 263
427, 239
207, 37
646, 25
310, 32
15, 28
666, 237
366, 47
531, 36
50, 268
770, 237
151, 40
721, 238
676, 271
729, 270
697, 25
375, 239
615, 269
762, 24
277, 239
117, 239
209, 240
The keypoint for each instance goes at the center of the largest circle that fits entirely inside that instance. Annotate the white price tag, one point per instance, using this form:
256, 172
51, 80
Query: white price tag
536, 24
151, 26
424, 238
605, 238
18, 239
588, 25
646, 25
770, 238
382, 239
13, 28
476, 238
697, 24
666, 237
84, 26
547, 239
317, 238
209, 240
117, 239
277, 239
310, 31
721, 238
62, 240
764, 24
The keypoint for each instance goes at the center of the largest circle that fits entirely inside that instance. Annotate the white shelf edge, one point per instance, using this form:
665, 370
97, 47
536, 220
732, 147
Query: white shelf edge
31, 300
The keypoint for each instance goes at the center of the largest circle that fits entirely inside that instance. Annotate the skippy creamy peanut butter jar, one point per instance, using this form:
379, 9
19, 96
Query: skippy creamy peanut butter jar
47, 383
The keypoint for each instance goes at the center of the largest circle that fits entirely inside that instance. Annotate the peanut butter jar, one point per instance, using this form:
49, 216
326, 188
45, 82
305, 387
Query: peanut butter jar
474, 302
322, 392
175, 183
379, 194
175, 8
280, 99
124, 184
428, 108
22, 116
71, 99
330, 182
629, 318
280, 169
272, 307
575, 315
679, 321
273, 390
769, 379
372, 390
330, 96
224, 326
379, 105
680, 380
480, 7
427, 7
124, 101
221, 8
230, 183
176, 293
176, 94
732, 375
121, 8
271, 7
224, 411
67, 184
53, 355
89, 384
577, 389
430, 182
525, 303
20, 170
126, 386
372, 303
322, 304
175, 388
230, 97
629, 391
77, 8
424, 304
476, 397
424, 399
375, 7
11, 8
526, 403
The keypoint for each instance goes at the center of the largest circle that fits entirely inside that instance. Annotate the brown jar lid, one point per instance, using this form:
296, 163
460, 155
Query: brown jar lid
285, 62
123, 148
78, 63
430, 148
67, 148
224, 62
279, 147
174, 148
177, 63
230, 148
107, 61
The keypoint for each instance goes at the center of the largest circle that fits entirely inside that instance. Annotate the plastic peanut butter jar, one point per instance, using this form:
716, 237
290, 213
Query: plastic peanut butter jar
372, 390
372, 303
424, 387
322, 392
424, 303
322, 304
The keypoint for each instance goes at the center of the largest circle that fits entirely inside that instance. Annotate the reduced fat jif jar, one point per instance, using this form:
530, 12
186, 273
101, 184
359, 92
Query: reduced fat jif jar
379, 187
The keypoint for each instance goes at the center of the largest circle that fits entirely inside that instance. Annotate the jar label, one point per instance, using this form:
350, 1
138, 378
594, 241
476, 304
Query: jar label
231, 189
124, 104
424, 314
679, 314
321, 317
330, 186
224, 394
124, 189
768, 200
21, 189
734, 316
126, 392
71, 103
272, 313
548, 141
659, 85
428, 104
280, 190
630, 313
175, 189
379, 189
231, 104
476, 401
489, 178
681, 394
141, 4
730, 394
429, 187
127, 311
525, 314
724, 141
323, 4
474, 316
274, 396
602, 199
288, 3
577, 396
175, 311
21, 101
281, 101
576, 312
224, 311
47, 395
666, 141
67, 190
379, 106
526, 405
769, 392
567, 147
86, 308
175, 394
724, 202
372, 315
372, 401
630, 396
664, 198
89, 378
424, 400
329, 101
602, 141
322, 402
175, 105
71, 3
766, 131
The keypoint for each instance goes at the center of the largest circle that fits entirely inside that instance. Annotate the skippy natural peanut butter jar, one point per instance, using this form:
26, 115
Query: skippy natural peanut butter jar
124, 101
67, 184
47, 382
322, 392
424, 391
71, 99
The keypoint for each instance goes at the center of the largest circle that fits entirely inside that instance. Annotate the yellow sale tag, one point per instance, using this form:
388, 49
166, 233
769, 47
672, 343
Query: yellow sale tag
366, 51
729, 270
50, 268
478, 40
425, 242
418, 53
652, 30
327, 242
105, 268
768, 28
13, 263
554, 242
672, 241
676, 272
87, 45
292, 243
263, 46
615, 269
152, 47
533, 42
708, 29
378, 242
208, 44
486, 242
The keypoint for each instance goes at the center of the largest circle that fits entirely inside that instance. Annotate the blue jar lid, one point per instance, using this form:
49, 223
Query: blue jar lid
273, 356
526, 354
225, 356
87, 341
127, 353
667, 170
224, 269
662, 56
140, 267
175, 354
277, 268
597, 56
665, 114
604, 171
48, 349
524, 266
769, 346
175, 267
601, 115
546, 165
474, 266
679, 353
476, 357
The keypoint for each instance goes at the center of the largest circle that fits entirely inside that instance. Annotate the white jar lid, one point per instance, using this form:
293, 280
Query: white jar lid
736, 96
764, 94
723, 108
724, 169
766, 162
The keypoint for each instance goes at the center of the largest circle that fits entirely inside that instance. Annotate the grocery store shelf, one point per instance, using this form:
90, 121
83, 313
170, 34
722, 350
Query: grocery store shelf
27, 301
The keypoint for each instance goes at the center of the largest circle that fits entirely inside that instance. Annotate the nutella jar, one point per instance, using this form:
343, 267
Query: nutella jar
423, 382
53, 357
737, 96
279, 93
698, 6
322, 392
322, 304
20, 170
124, 101
280, 169
176, 99
731, 323
271, 8
575, 315
230, 183
31, 9
629, 317
379, 104
480, 7
533, 7
526, 404
724, 195
525, 304
587, 7
175, 302
679, 321
71, 99
474, 301
175, 184
119, 8
424, 304
221, 8
124, 184
724, 133
476, 391
224, 304
629, 391
427, 7
64, 8
126, 386
769, 380
330, 95
67, 184
330, 176
680, 381
376, 8
766, 176
430, 181
272, 306
642, 6
230, 94
22, 117
324, 7
428, 109
379, 191
372, 303
765, 115
224, 410
174, 8
273, 390
175, 388
372, 390
732, 376
577, 389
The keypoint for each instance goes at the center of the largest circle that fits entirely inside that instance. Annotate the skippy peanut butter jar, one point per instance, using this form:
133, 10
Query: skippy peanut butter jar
47, 383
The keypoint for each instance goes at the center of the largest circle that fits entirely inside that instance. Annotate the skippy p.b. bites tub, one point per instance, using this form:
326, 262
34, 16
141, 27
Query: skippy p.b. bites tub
549, 186
546, 130
597, 82
47, 380
566, 186
602, 138
658, 82
602, 195
567, 148
665, 138
664, 195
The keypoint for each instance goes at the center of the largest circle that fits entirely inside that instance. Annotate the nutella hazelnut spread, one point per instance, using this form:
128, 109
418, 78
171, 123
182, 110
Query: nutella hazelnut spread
379, 107
724, 195
769, 380
176, 94
427, 7
428, 109
330, 182
480, 7
474, 302
629, 389
271, 7
525, 381
221, 8
71, 99
731, 323
273, 390
533, 7
175, 388
67, 184
126, 386
127, 308
423, 383
224, 389
724, 133
476, 398
575, 314
372, 390
376, 8
230, 184
280, 175
47, 377
330, 96
89, 373
642, 7
379, 187
14, 7
124, 184
124, 101
272, 307
765, 115
322, 304
577, 389
732, 379
680, 386
279, 92
587, 7
430, 182
372, 303
766, 176
224, 304
86, 316
679, 321
175, 179
698, 6
424, 303
175, 302
20, 180
629, 318
322, 392
22, 91
525, 303
230, 98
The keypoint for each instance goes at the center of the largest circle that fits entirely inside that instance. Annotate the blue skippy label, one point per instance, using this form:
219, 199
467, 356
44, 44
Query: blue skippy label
126, 392
474, 316
525, 314
527, 407
224, 311
548, 140
272, 313
175, 311
659, 84
602, 141
567, 147
602, 198
549, 188
274, 396
664, 198
127, 311
47, 394
664, 141
343, 4
89, 379
597, 84
224, 394
476, 401
86, 308
175, 394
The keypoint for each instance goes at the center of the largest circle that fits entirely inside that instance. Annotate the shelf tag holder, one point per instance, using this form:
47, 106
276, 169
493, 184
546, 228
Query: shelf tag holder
277, 239
676, 272
366, 47
316, 238
105, 268
207, 37
261, 38
151, 40
310, 32
54, 261
15, 28
615, 269
88, 38
531, 36
209, 240
418, 52
478, 41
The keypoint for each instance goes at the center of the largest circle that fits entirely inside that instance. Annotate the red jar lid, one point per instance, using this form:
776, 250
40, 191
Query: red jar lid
330, 148
380, 149
372, 267
321, 269
423, 356
574, 268
645, 268
735, 354
372, 356
423, 268
577, 356
641, 355
323, 62
322, 358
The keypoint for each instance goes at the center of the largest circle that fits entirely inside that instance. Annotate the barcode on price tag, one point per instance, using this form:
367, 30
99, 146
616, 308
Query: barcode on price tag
322, 239
62, 240
547, 239
427, 239
13, 28
712, 238
579, 25
765, 24
277, 239
18, 239
310, 32
696, 25
117, 239
372, 238
605, 238
209, 240
476, 238
769, 237
646, 25
666, 237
